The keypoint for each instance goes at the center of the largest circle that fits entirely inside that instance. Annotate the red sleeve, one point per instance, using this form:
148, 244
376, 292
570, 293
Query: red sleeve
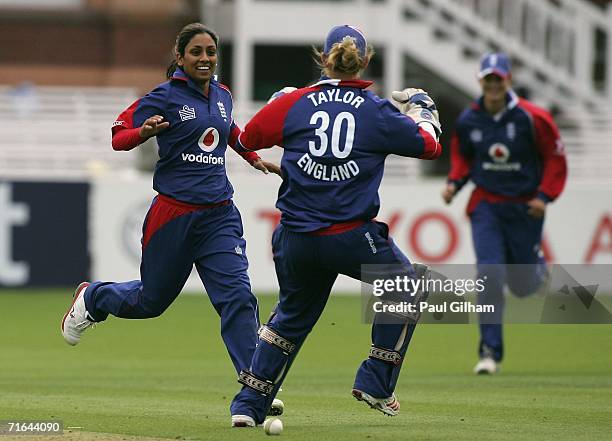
433, 149
265, 129
249, 157
460, 165
551, 150
125, 136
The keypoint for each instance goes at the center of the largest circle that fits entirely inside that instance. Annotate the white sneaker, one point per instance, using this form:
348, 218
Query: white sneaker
486, 366
243, 421
389, 406
277, 408
77, 319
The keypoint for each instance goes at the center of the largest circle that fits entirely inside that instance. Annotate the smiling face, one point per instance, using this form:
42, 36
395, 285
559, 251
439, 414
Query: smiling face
200, 59
494, 87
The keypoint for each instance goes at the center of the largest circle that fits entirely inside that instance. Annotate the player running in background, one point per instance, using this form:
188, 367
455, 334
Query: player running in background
512, 151
193, 219
335, 137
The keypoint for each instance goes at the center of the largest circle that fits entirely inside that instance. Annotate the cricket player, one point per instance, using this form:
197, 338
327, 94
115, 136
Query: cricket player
335, 137
512, 151
192, 220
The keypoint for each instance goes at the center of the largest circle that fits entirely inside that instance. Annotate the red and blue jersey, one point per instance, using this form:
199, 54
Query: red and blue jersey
512, 156
335, 137
191, 165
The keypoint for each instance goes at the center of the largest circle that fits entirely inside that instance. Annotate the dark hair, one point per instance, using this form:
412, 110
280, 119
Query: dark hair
182, 40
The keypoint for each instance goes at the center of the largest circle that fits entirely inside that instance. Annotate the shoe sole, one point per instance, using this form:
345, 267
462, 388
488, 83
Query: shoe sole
359, 396
82, 285
486, 372
242, 422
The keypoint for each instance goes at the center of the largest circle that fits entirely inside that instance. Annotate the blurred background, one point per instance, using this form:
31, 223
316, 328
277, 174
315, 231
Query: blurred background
71, 208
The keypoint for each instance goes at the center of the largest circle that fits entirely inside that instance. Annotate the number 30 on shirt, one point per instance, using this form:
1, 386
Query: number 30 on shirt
321, 120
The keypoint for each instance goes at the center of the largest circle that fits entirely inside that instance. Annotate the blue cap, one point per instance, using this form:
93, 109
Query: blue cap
495, 63
339, 33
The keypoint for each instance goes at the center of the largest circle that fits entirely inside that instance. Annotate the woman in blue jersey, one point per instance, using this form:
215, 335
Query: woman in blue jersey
193, 219
335, 137
512, 151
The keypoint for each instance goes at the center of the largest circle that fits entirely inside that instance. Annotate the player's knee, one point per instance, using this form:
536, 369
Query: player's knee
237, 305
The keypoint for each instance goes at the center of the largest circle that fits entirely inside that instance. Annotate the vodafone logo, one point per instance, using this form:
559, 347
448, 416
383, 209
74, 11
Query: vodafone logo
499, 153
209, 140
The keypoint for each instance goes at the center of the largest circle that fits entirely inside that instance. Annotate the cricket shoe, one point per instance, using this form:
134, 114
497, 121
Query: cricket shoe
277, 408
486, 366
243, 421
77, 319
389, 406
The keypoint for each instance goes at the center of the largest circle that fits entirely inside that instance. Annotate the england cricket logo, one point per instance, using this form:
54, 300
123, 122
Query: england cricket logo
511, 131
222, 110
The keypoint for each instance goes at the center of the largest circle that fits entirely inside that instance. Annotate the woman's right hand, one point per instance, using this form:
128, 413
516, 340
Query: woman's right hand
267, 167
152, 126
449, 193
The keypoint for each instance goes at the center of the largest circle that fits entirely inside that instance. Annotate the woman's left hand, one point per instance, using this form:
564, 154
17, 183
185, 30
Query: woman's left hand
537, 208
267, 167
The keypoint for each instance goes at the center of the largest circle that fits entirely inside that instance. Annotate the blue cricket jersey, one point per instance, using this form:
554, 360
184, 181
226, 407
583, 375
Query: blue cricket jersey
515, 154
335, 137
191, 165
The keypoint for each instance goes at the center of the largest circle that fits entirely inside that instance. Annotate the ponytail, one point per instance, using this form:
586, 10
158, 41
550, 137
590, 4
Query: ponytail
171, 69
343, 57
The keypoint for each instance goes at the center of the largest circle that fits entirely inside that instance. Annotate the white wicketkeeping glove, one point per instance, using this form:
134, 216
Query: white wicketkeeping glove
279, 93
418, 105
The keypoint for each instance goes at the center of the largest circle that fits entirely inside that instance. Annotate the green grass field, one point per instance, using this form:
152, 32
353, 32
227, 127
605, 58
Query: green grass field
170, 377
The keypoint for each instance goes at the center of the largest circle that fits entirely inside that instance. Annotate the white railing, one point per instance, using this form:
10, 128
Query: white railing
553, 42
60, 131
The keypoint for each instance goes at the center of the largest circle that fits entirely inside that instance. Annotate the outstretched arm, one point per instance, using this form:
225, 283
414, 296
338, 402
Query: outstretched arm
251, 157
415, 129
140, 121
265, 129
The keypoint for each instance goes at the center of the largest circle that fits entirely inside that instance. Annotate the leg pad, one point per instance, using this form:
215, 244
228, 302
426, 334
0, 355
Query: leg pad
386, 355
269, 336
264, 387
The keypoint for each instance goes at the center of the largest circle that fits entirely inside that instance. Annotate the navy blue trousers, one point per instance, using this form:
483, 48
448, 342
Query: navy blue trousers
306, 267
507, 245
175, 237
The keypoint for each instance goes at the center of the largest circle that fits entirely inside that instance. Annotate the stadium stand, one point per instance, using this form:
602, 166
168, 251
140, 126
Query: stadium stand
561, 48
61, 132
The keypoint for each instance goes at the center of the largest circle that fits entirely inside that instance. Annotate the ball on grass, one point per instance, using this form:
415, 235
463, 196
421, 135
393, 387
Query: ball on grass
273, 426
